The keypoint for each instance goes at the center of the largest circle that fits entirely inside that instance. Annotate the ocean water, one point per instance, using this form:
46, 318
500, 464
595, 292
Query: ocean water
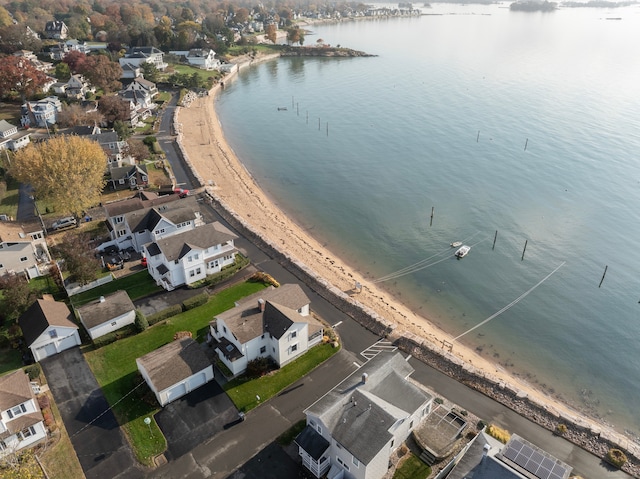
527, 124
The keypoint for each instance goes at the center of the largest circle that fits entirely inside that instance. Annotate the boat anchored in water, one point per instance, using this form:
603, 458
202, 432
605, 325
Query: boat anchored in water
463, 251
456, 244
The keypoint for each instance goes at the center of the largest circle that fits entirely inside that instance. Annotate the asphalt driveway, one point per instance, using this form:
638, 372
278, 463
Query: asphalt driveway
92, 427
194, 418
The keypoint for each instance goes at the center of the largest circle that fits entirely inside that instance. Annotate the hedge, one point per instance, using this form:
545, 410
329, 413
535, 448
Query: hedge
195, 301
164, 314
240, 263
128, 330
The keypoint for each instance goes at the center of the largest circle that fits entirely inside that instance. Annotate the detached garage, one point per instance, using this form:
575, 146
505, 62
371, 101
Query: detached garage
175, 369
48, 328
107, 314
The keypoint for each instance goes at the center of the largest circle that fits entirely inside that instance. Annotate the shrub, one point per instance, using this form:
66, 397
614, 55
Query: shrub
182, 334
33, 371
195, 301
561, 429
481, 425
48, 418
258, 367
149, 140
43, 401
264, 278
113, 336
141, 322
498, 433
438, 400
616, 457
240, 263
164, 314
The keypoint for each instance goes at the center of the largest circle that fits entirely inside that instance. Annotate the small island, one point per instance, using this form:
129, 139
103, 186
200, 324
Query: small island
533, 6
323, 51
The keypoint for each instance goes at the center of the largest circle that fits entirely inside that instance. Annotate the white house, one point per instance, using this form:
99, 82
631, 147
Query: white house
273, 323
107, 314
203, 58
136, 222
10, 138
48, 328
42, 113
190, 255
21, 422
23, 249
142, 85
139, 55
78, 87
352, 431
175, 369
129, 70
487, 458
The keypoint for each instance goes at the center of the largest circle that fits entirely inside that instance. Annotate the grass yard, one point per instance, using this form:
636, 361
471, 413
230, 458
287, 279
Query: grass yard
412, 468
157, 176
10, 359
10, 112
189, 70
137, 285
115, 368
243, 391
9, 197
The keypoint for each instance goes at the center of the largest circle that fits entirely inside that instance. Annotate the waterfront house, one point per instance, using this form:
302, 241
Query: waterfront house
353, 430
190, 255
107, 314
175, 369
203, 58
142, 219
274, 323
48, 328
139, 55
115, 149
141, 85
21, 422
130, 176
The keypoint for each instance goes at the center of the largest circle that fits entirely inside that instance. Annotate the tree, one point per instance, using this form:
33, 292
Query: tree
76, 60
137, 149
103, 73
150, 72
5, 17
141, 322
76, 115
114, 108
295, 35
271, 32
67, 172
17, 37
78, 257
122, 129
63, 72
20, 76
18, 296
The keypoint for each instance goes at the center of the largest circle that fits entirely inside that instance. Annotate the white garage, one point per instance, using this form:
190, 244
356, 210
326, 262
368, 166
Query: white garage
48, 328
175, 369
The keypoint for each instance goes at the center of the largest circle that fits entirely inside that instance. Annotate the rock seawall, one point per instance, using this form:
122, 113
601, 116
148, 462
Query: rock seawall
323, 52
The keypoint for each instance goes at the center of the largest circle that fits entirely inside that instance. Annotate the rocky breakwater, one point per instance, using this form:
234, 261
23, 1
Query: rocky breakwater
323, 51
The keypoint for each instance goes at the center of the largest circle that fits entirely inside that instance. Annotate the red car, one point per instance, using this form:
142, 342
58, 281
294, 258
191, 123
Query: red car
143, 262
181, 192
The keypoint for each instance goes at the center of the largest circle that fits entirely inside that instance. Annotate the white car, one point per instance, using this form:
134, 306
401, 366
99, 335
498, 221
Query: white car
64, 223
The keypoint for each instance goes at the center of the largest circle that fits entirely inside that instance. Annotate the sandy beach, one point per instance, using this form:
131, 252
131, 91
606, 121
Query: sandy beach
228, 180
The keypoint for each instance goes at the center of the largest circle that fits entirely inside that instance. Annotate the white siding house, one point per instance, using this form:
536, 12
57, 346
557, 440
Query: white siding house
189, 256
21, 422
107, 314
10, 138
23, 249
273, 323
352, 431
175, 369
138, 55
48, 328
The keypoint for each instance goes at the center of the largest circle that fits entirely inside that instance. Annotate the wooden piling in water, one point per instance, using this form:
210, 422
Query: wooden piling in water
603, 275
431, 221
318, 124
494, 240
525, 144
525, 249
327, 128
478, 137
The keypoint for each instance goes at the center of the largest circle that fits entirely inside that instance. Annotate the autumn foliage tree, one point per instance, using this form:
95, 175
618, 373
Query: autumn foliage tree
67, 172
19, 76
17, 295
76, 61
77, 115
113, 108
271, 32
79, 259
103, 73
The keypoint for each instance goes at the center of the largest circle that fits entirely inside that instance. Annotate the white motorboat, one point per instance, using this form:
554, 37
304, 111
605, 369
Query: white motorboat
463, 251
456, 244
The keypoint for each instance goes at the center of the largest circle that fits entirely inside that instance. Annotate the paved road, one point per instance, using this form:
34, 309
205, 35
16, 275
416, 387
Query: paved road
93, 429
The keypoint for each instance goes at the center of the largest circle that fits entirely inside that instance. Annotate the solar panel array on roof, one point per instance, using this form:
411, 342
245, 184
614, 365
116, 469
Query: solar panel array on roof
533, 461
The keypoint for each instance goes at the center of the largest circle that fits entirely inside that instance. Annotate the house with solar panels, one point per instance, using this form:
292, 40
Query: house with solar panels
487, 458
354, 429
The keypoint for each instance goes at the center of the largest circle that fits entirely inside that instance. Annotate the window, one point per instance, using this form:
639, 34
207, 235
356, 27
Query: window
53, 333
23, 259
338, 445
294, 348
294, 334
196, 256
25, 433
319, 429
121, 233
263, 349
392, 442
160, 231
119, 219
224, 328
192, 273
198, 271
312, 423
16, 411
121, 181
190, 259
355, 462
341, 462
411, 425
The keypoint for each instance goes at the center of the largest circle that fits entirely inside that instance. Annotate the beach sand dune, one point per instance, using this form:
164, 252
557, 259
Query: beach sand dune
231, 184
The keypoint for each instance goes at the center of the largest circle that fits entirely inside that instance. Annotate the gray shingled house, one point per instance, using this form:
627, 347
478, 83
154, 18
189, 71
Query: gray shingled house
352, 431
175, 369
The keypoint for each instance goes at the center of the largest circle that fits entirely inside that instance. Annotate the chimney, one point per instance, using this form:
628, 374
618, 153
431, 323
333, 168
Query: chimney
102, 299
364, 378
485, 450
261, 305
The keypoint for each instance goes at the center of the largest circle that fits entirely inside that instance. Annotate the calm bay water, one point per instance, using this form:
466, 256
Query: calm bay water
440, 118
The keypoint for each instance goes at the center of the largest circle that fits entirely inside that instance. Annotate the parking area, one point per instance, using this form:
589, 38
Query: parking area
196, 417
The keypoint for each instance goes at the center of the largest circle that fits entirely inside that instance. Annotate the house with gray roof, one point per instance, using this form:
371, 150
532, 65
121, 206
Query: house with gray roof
135, 222
107, 314
175, 369
23, 249
487, 458
11, 139
21, 422
352, 431
190, 255
274, 323
138, 55
128, 177
48, 328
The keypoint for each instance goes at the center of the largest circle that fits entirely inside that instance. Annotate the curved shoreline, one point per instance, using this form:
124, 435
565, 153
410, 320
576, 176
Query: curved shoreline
247, 207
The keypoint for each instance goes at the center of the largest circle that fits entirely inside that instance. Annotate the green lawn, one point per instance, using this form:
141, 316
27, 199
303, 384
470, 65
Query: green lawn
189, 70
138, 285
9, 197
243, 391
10, 359
412, 468
115, 368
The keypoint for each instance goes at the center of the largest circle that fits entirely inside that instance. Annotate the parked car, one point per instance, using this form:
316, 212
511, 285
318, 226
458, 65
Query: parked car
64, 223
143, 261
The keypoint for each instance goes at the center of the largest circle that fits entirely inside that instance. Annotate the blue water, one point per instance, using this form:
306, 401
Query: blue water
440, 118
